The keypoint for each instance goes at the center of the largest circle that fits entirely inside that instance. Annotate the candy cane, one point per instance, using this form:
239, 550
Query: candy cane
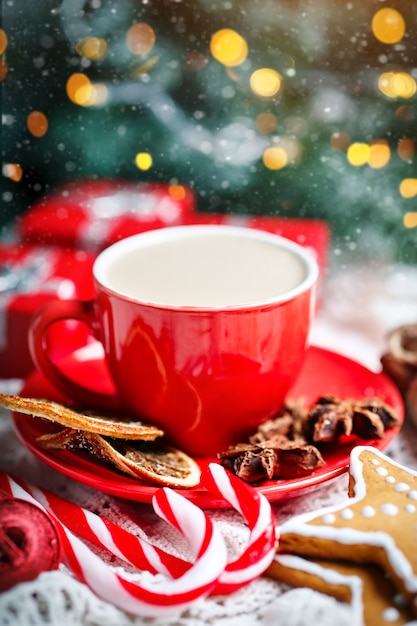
257, 511
159, 596
253, 506
104, 534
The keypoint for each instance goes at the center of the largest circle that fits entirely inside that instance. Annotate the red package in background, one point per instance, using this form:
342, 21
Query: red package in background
91, 215
30, 276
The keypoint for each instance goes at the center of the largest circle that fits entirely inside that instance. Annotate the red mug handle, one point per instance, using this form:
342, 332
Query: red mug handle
55, 311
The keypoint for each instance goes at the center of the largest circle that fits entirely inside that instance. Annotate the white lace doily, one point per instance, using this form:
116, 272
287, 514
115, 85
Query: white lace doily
358, 310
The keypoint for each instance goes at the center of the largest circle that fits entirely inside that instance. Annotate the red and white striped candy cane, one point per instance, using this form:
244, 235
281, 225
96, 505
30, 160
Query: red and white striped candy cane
257, 511
250, 504
104, 534
159, 596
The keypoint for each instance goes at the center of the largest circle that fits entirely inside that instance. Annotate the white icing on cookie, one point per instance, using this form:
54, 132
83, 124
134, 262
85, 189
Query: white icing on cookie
346, 514
389, 509
368, 526
401, 487
368, 511
390, 615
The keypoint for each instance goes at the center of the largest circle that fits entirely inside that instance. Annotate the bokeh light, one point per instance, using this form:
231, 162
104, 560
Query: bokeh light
83, 92
3, 41
228, 47
143, 161
404, 112
93, 48
140, 38
93, 95
195, 61
408, 187
340, 141
177, 192
4, 68
380, 154
37, 123
275, 158
76, 86
410, 219
358, 154
406, 149
145, 68
13, 171
397, 84
388, 25
3, 63
266, 123
265, 82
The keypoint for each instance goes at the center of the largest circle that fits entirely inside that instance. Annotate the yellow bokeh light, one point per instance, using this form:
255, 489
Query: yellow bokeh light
83, 92
140, 38
143, 161
13, 171
265, 82
358, 154
275, 158
37, 123
76, 87
404, 85
177, 192
380, 154
228, 47
406, 149
3, 41
266, 123
408, 187
92, 94
410, 219
93, 48
388, 25
397, 84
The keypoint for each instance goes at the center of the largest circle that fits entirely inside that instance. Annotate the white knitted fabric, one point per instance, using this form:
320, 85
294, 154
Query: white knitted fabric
358, 309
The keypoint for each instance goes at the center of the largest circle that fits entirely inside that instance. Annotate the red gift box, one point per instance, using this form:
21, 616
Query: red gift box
93, 214
30, 276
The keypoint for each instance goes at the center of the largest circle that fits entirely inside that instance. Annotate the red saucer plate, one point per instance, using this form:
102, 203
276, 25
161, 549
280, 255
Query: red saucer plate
323, 372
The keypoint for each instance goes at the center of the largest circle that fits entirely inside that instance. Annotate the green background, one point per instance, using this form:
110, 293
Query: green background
200, 126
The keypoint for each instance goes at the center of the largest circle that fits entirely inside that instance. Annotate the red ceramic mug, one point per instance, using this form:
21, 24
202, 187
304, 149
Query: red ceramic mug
204, 329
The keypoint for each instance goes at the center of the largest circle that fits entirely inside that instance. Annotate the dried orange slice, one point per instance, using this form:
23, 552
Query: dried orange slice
108, 425
152, 462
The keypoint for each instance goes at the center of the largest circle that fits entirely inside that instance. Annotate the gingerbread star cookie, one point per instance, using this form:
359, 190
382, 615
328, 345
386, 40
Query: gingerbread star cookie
377, 524
373, 598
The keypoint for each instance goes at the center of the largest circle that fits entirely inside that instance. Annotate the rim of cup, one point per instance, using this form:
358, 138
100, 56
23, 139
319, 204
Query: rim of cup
167, 233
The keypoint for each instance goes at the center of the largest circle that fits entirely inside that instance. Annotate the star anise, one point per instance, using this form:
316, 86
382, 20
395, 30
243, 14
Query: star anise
277, 449
283, 447
289, 424
277, 458
330, 418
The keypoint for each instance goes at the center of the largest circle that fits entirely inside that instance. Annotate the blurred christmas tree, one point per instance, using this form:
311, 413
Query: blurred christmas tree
281, 107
